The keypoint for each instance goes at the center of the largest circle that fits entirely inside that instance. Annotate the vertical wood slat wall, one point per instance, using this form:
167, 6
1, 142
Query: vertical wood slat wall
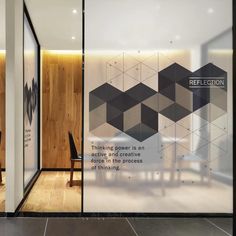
2, 108
61, 107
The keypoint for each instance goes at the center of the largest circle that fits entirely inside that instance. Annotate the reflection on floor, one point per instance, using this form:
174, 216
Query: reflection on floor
2, 193
51, 193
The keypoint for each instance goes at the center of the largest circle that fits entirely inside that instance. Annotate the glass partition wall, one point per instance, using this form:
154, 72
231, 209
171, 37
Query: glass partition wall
219, 51
158, 106
2, 106
155, 81
58, 25
31, 101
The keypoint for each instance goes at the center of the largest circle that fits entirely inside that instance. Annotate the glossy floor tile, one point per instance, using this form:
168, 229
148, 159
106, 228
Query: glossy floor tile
115, 227
223, 223
22, 226
175, 227
89, 227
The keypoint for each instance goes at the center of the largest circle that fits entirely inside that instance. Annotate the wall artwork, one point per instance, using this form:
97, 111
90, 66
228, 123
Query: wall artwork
30, 100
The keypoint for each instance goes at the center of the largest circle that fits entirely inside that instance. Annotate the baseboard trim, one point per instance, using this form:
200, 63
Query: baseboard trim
120, 215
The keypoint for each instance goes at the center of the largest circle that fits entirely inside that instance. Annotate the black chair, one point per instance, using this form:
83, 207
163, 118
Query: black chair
74, 157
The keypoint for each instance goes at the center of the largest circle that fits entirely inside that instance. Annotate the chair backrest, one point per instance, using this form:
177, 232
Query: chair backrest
73, 150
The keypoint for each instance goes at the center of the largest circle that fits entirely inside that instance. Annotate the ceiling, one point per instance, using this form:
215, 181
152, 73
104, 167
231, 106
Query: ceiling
126, 24
56, 24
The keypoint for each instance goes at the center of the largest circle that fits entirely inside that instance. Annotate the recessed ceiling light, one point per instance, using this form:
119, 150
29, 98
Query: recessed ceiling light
210, 10
73, 37
74, 11
177, 37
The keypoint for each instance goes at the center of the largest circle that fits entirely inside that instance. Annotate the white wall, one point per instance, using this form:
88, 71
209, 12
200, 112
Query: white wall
14, 103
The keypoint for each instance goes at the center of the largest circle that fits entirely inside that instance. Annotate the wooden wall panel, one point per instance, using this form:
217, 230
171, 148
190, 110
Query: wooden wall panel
61, 107
2, 108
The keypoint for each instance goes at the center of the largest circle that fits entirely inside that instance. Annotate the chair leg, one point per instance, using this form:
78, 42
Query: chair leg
163, 191
71, 173
209, 175
179, 170
202, 172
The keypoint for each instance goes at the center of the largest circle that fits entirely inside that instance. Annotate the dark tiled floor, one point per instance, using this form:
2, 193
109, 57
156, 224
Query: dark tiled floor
91, 227
224, 224
175, 227
22, 226
115, 227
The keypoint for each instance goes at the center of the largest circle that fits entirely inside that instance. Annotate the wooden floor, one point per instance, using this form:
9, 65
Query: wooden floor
2, 193
51, 193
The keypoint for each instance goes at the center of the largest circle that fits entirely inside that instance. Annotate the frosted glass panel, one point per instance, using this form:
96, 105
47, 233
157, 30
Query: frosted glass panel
158, 106
30, 104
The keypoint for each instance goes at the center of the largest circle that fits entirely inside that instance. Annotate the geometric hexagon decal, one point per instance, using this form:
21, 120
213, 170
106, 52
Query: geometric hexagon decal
131, 102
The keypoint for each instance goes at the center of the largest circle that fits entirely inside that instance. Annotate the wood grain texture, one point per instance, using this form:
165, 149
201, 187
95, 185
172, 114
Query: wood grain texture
61, 107
2, 192
2, 108
52, 193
